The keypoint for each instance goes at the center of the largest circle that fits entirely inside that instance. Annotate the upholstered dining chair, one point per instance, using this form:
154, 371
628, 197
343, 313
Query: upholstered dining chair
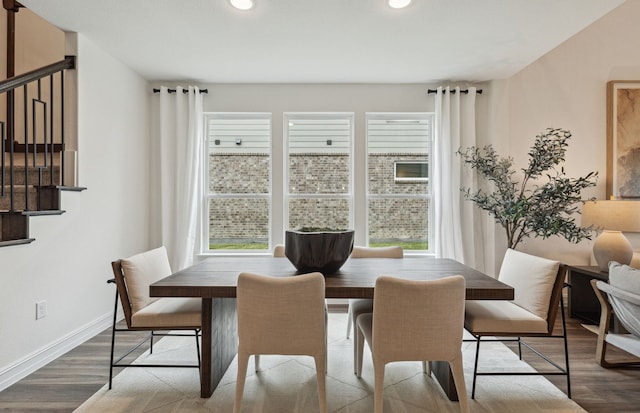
537, 284
281, 315
359, 306
160, 316
278, 251
414, 321
621, 296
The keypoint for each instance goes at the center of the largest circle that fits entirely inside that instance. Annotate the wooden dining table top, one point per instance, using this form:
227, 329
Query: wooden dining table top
216, 277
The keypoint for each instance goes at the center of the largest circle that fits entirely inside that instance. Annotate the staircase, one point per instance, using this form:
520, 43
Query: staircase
33, 150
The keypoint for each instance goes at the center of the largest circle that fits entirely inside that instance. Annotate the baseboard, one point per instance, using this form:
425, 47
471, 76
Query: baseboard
32, 362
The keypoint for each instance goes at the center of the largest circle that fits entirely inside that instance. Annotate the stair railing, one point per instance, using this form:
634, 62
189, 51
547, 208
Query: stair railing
46, 138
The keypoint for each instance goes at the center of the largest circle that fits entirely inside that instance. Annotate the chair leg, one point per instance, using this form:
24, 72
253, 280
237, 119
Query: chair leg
198, 350
349, 321
378, 396
321, 363
358, 336
426, 368
151, 342
243, 361
475, 368
256, 361
566, 345
113, 340
520, 348
457, 370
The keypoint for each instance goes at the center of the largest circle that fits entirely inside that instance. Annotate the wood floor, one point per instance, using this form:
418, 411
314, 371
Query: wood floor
67, 382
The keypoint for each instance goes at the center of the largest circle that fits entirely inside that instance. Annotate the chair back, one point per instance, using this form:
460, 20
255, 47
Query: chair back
377, 252
624, 295
278, 251
133, 276
281, 315
537, 283
418, 320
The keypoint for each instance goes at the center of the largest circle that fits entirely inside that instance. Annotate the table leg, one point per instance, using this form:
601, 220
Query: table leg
442, 372
219, 341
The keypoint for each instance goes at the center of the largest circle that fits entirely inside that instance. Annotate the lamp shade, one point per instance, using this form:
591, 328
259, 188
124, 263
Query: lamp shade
613, 217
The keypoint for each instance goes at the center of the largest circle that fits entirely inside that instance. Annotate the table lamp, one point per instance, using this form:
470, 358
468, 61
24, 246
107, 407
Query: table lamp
612, 217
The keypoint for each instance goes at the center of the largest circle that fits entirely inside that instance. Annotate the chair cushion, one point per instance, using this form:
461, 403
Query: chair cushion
624, 277
495, 317
142, 270
532, 279
169, 312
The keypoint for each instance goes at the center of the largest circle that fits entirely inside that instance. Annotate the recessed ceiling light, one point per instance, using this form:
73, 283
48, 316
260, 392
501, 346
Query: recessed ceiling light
244, 4
399, 4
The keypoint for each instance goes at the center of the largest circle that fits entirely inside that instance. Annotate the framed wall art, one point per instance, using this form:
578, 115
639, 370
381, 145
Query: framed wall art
623, 139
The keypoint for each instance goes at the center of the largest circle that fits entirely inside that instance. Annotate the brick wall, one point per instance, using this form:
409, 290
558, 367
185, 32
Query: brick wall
246, 219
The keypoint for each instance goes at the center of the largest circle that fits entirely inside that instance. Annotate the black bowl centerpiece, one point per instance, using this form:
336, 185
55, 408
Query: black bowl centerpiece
318, 249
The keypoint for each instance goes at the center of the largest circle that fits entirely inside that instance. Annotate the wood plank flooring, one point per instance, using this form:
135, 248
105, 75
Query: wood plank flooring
67, 382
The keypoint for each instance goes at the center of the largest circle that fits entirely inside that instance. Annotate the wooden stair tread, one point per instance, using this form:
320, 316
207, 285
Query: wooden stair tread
44, 212
16, 242
71, 188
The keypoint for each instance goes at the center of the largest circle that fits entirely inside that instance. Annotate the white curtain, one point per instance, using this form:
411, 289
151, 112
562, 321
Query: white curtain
457, 223
177, 168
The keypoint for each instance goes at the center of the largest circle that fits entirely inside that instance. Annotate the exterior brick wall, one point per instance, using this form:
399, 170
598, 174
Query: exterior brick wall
239, 173
311, 173
248, 219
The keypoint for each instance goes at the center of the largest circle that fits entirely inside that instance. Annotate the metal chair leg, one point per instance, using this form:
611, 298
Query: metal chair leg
566, 345
113, 337
475, 368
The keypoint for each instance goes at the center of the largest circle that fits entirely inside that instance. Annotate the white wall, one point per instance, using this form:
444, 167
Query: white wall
69, 262
566, 88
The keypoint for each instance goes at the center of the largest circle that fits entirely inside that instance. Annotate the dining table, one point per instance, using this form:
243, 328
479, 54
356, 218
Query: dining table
214, 280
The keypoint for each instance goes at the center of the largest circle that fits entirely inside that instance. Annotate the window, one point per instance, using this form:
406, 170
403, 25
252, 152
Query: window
387, 197
238, 181
318, 170
407, 171
398, 194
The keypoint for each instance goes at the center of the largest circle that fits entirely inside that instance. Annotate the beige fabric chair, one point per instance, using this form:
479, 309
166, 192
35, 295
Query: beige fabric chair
415, 320
132, 277
278, 251
281, 316
537, 284
359, 306
620, 297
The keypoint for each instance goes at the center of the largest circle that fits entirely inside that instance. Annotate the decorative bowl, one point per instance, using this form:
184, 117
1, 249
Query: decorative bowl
321, 251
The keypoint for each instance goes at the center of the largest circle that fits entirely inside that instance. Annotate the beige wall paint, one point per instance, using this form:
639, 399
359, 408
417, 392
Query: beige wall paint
567, 88
38, 43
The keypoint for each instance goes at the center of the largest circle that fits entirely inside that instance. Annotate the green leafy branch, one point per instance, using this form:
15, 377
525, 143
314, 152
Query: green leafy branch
525, 208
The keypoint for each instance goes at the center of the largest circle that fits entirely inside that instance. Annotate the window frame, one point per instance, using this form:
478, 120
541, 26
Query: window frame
208, 195
288, 117
429, 196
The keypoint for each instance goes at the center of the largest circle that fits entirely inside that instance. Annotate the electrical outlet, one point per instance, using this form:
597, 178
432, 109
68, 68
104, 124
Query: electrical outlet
41, 309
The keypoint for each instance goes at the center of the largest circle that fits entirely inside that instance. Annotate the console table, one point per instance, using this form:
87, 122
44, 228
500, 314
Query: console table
583, 303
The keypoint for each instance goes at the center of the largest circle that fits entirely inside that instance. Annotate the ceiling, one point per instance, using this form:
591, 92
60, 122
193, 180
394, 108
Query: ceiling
324, 41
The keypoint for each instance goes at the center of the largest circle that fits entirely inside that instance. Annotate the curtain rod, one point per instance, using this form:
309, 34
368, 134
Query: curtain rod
465, 91
183, 91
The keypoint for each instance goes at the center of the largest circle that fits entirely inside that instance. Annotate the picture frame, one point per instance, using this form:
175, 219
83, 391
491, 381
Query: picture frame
623, 139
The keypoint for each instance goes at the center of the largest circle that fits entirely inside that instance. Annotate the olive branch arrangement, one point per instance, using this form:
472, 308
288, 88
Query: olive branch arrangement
526, 207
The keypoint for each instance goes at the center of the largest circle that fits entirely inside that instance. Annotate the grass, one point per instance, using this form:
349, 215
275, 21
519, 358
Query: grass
412, 246
405, 245
249, 246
